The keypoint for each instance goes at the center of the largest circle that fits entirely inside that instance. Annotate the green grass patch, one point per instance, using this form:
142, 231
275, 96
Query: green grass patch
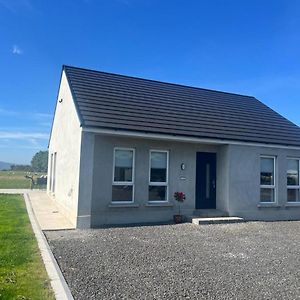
17, 180
22, 272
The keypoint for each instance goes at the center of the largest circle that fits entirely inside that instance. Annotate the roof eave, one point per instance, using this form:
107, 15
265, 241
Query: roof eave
181, 138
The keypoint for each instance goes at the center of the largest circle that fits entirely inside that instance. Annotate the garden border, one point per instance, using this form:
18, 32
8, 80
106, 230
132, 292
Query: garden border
58, 282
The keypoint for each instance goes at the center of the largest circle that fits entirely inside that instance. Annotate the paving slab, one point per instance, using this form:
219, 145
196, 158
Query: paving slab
47, 212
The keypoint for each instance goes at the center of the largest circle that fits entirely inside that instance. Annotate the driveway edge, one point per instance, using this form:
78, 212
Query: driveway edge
58, 282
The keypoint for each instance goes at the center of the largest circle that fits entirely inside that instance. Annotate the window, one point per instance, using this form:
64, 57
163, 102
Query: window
267, 179
52, 172
158, 176
292, 176
123, 175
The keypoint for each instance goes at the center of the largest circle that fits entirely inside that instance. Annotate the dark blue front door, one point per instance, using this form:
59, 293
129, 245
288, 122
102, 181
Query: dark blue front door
206, 180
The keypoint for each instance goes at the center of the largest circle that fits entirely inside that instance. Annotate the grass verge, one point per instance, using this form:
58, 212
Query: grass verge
22, 272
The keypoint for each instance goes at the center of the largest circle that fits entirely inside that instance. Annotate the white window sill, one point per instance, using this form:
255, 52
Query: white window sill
159, 204
267, 205
123, 205
292, 204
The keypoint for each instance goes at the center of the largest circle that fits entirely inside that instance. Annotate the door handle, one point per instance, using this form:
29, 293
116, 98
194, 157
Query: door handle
213, 184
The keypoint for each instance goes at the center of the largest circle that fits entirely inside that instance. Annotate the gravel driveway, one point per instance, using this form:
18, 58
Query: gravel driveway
254, 260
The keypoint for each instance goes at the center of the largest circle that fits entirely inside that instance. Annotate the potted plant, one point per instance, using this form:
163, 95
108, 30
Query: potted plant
179, 197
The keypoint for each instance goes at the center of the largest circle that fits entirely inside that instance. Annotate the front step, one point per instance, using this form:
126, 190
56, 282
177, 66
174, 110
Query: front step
216, 220
210, 213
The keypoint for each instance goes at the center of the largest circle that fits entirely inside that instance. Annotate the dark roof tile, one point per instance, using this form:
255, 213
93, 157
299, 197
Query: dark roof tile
121, 102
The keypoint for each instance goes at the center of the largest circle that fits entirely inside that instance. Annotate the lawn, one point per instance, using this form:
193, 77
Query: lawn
22, 273
17, 180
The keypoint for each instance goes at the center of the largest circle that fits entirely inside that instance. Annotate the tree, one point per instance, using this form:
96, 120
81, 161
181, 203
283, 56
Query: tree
25, 168
39, 162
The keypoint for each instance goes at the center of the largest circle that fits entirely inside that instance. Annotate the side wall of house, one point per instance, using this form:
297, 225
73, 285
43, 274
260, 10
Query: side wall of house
104, 212
65, 141
244, 184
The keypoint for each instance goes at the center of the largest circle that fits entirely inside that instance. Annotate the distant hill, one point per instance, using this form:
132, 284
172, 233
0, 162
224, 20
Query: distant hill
5, 165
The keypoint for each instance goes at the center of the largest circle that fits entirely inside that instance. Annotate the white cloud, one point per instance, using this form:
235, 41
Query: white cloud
45, 124
13, 147
34, 142
26, 114
42, 115
29, 136
16, 5
17, 50
8, 112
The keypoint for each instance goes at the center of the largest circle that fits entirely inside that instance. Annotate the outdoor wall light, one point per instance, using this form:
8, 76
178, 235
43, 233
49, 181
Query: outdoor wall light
60, 100
182, 166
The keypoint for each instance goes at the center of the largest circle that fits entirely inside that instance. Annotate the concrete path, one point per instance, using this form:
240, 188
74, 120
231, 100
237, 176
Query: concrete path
47, 213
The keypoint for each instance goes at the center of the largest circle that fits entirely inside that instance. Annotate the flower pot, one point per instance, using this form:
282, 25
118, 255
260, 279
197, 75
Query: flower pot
178, 219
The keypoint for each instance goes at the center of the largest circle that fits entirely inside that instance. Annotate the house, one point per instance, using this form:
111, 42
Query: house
121, 146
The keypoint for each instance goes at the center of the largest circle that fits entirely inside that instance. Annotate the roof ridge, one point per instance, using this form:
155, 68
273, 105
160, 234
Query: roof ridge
157, 81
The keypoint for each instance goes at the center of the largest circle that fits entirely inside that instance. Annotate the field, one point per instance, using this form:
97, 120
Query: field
17, 180
22, 273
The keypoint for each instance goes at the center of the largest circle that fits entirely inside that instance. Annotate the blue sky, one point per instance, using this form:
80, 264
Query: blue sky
249, 47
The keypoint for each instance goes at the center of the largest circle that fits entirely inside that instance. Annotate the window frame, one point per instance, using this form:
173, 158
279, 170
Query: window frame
264, 186
53, 173
166, 183
50, 172
120, 183
294, 187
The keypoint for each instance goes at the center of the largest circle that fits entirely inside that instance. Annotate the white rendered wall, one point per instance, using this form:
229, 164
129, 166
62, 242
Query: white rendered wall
65, 140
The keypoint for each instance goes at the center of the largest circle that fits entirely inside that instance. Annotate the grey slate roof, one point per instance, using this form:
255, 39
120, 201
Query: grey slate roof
112, 101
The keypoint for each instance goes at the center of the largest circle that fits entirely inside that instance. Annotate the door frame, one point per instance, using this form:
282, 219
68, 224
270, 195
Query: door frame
210, 156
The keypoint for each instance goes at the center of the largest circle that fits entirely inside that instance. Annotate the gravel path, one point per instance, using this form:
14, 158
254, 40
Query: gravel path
252, 260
